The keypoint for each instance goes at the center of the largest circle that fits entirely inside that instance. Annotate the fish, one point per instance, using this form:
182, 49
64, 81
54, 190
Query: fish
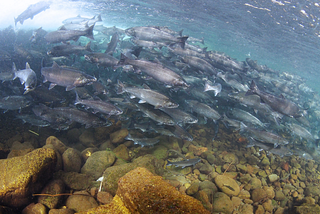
31, 11
150, 142
203, 110
33, 120
232, 82
37, 35
155, 114
66, 35
102, 59
14, 102
215, 87
155, 70
224, 62
246, 117
99, 106
263, 136
6, 76
279, 104
184, 163
200, 64
67, 77
301, 132
27, 77
78, 19
154, 98
179, 116
67, 49
281, 151
155, 34
181, 133
112, 45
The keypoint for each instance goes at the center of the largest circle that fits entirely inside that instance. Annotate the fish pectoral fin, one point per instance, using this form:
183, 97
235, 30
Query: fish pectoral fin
52, 85
142, 101
70, 87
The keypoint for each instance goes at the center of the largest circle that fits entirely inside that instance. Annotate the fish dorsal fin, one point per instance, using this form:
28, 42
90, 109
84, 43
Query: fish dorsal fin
27, 65
55, 65
145, 86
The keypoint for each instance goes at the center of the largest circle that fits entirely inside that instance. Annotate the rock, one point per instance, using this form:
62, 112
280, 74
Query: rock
73, 135
55, 187
258, 195
104, 197
227, 185
197, 150
61, 211
211, 158
255, 183
222, 203
308, 209
16, 153
230, 158
268, 205
279, 196
206, 168
236, 202
246, 209
74, 180
59, 164
34, 209
270, 192
118, 136
21, 146
122, 152
244, 194
97, 163
312, 190
259, 210
85, 154
208, 185
81, 201
273, 177
87, 138
71, 160
56, 144
203, 197
280, 210
24, 175
265, 161
193, 188
142, 192
113, 173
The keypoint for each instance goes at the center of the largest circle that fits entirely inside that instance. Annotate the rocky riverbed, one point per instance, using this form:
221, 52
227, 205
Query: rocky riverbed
46, 174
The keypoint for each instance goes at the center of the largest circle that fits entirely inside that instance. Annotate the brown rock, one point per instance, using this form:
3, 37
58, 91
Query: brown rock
255, 183
268, 205
87, 138
246, 209
56, 144
203, 196
22, 176
71, 160
104, 197
244, 194
118, 136
222, 203
260, 210
236, 202
197, 150
270, 192
34, 209
61, 211
16, 153
258, 195
73, 135
122, 152
85, 154
59, 164
55, 187
227, 185
81, 201
74, 180
193, 188
97, 163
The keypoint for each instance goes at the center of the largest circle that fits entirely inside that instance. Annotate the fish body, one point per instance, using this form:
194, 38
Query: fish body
112, 45
27, 77
203, 110
150, 142
147, 95
279, 104
156, 115
102, 59
216, 87
156, 71
99, 106
179, 116
246, 117
301, 132
31, 11
65, 50
78, 19
184, 163
14, 102
67, 77
66, 35
200, 64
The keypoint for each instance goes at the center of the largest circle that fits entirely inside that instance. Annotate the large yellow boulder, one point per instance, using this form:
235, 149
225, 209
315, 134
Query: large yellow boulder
139, 191
23, 176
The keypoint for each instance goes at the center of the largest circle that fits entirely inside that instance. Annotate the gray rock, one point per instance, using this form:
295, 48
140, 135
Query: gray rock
71, 160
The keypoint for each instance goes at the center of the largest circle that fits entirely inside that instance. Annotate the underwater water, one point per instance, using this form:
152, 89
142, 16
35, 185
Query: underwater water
201, 73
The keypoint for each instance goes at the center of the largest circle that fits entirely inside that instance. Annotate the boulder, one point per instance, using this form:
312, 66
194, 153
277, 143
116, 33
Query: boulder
227, 185
22, 176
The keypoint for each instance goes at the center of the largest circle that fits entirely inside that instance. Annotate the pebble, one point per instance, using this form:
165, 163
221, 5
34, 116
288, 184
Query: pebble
81, 201
71, 160
279, 196
193, 188
258, 195
104, 197
268, 205
246, 209
273, 177
34, 209
255, 183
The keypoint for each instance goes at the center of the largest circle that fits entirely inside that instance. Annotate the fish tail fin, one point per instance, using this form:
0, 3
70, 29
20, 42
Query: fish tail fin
77, 101
182, 41
202, 41
242, 127
87, 47
253, 89
180, 32
99, 18
120, 89
89, 32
